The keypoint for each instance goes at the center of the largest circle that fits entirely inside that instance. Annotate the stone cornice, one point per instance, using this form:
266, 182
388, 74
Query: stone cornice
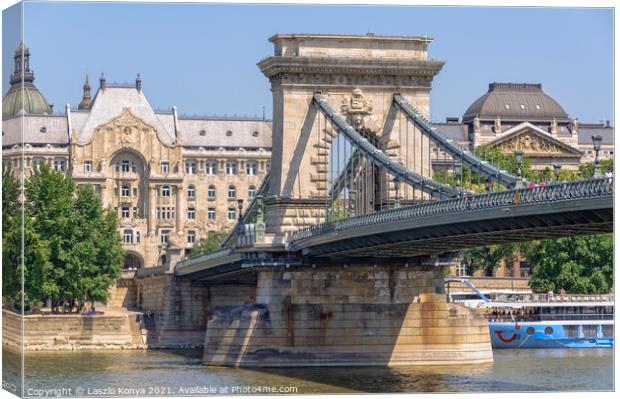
278, 65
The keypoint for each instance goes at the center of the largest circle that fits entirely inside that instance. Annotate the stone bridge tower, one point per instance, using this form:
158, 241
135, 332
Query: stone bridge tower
359, 75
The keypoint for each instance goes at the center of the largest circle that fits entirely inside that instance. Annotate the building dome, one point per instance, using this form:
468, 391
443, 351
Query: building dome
515, 101
27, 98
23, 95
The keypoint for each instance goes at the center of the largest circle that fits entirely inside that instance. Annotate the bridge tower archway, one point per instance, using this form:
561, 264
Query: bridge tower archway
299, 186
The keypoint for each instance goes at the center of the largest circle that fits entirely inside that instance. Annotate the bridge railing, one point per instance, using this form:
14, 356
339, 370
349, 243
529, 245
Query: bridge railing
595, 187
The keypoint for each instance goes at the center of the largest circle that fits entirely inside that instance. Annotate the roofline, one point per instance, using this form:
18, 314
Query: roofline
366, 37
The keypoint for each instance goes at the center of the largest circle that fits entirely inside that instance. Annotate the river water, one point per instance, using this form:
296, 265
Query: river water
126, 373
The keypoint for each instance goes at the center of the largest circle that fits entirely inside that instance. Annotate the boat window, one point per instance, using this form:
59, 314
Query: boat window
548, 330
530, 331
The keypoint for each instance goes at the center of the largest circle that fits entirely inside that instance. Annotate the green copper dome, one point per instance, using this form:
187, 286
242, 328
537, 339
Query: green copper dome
23, 94
29, 99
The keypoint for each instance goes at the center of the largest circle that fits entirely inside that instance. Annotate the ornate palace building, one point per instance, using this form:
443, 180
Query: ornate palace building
172, 178
520, 116
168, 177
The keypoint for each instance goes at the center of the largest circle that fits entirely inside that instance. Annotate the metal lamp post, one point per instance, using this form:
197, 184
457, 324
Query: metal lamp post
240, 223
596, 142
458, 171
557, 168
519, 159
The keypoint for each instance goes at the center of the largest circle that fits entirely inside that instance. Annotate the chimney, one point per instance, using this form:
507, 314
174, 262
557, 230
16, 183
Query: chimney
607, 124
138, 83
102, 82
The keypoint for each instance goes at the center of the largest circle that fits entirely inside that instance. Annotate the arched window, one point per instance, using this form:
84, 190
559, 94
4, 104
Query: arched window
232, 192
251, 192
211, 192
191, 192
165, 191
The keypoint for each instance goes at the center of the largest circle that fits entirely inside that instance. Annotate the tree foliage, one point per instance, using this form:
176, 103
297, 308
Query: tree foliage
212, 243
486, 258
72, 250
579, 265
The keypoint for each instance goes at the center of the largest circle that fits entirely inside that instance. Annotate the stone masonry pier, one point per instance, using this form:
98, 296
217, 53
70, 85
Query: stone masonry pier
359, 315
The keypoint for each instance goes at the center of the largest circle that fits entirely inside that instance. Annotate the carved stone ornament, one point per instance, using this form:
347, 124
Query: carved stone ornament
530, 144
358, 111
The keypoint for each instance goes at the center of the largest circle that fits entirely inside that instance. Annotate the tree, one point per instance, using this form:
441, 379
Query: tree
212, 243
487, 258
72, 250
579, 265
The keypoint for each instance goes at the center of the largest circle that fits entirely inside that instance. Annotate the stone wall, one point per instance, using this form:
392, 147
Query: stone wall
356, 316
60, 332
175, 310
122, 294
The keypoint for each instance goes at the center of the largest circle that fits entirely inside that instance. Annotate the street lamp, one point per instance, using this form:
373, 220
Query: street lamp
557, 168
240, 223
596, 142
458, 171
519, 159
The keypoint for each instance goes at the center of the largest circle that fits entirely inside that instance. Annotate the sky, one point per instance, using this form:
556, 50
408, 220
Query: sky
202, 57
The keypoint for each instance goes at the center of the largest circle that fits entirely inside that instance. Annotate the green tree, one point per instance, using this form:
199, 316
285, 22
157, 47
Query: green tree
72, 251
487, 258
579, 265
586, 170
212, 243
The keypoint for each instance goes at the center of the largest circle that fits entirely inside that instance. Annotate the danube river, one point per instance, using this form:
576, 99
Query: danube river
127, 373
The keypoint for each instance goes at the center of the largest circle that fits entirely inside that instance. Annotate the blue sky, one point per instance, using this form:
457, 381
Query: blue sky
202, 58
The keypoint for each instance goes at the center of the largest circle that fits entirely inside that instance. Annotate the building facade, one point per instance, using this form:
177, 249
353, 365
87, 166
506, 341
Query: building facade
171, 179
521, 116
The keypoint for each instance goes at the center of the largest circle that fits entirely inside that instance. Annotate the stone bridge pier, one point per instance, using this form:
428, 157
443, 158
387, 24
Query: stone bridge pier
383, 314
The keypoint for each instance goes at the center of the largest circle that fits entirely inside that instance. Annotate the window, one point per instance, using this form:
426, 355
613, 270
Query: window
211, 192
251, 192
190, 167
255, 134
125, 191
135, 191
137, 237
250, 168
191, 213
164, 167
191, 192
124, 165
88, 166
231, 168
211, 214
203, 132
127, 236
59, 165
191, 238
232, 192
229, 133
125, 212
268, 167
116, 191
165, 191
163, 236
211, 168
232, 214
461, 269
